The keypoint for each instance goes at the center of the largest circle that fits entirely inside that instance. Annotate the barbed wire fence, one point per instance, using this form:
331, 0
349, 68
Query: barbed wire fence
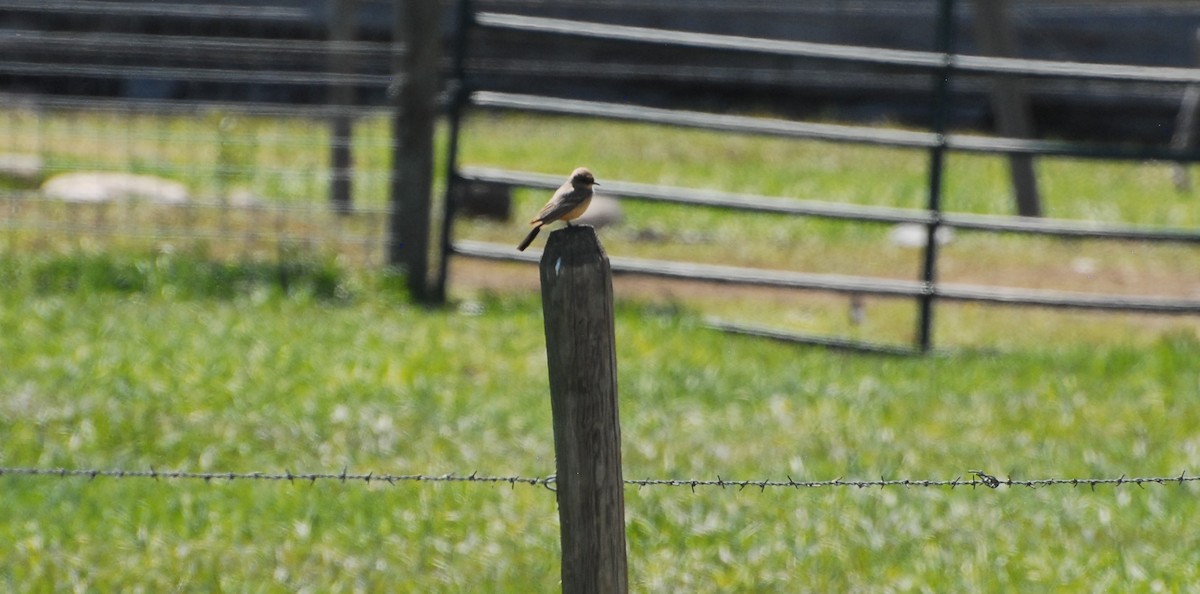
972, 478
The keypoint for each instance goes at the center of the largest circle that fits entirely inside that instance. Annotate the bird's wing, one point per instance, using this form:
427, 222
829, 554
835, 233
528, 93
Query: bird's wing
556, 207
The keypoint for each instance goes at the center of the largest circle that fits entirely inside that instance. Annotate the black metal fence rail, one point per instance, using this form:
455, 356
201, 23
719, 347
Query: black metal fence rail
125, 105
249, 10
214, 75
843, 53
836, 210
827, 132
839, 283
941, 65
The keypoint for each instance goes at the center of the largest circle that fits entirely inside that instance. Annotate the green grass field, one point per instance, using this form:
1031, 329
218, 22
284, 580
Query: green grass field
170, 374
138, 357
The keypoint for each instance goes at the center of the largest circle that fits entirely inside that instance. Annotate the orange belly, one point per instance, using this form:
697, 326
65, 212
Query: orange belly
578, 211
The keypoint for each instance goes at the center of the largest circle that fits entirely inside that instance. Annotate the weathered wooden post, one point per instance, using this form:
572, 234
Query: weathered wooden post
343, 22
1010, 103
416, 110
577, 303
1185, 128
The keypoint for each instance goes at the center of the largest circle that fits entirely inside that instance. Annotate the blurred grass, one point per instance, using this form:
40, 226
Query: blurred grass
183, 276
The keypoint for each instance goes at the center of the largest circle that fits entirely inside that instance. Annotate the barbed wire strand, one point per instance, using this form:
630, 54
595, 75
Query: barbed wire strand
981, 479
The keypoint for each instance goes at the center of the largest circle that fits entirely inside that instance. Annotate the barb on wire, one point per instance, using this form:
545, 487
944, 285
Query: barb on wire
986, 478
982, 479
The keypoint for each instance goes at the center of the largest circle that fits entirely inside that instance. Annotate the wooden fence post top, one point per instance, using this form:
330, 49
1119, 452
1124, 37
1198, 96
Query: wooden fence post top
572, 246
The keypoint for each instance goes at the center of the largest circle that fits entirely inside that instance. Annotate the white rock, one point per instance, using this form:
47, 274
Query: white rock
914, 235
22, 167
603, 211
103, 186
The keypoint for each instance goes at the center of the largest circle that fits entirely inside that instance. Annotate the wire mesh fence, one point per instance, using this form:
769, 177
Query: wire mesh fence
246, 132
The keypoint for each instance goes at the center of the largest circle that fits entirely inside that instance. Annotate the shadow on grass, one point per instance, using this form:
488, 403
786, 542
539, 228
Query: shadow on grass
181, 275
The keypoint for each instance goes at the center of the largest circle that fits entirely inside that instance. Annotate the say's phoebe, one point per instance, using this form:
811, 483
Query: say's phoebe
568, 203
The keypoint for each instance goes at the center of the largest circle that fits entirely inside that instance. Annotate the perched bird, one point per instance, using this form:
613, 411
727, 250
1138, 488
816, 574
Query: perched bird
570, 201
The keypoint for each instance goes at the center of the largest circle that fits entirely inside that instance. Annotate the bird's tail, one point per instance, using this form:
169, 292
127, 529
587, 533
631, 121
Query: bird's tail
529, 238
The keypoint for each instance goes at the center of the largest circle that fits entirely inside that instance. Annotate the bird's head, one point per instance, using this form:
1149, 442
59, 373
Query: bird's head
583, 178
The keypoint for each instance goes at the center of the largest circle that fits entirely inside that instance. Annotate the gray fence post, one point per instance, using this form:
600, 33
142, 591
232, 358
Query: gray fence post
996, 36
1185, 128
343, 21
577, 303
416, 109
